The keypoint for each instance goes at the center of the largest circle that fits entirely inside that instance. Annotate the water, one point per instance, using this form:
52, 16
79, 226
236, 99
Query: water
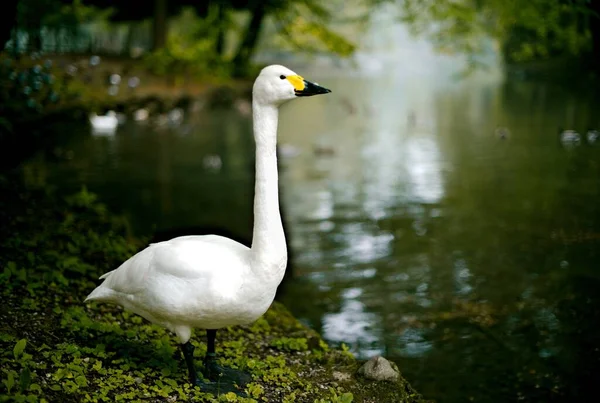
416, 231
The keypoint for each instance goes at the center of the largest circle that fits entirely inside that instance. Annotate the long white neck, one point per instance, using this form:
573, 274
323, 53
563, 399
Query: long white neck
268, 240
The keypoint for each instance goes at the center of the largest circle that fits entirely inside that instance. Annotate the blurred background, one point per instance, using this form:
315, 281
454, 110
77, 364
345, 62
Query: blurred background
441, 205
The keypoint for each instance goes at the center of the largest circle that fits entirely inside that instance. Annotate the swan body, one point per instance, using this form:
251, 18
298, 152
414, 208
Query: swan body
210, 281
104, 123
192, 281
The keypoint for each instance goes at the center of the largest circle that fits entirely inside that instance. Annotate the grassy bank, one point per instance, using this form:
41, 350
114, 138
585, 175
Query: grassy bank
37, 86
42, 97
55, 348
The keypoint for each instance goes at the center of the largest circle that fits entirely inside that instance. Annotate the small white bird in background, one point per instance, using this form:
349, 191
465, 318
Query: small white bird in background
176, 116
104, 124
212, 162
171, 119
570, 137
141, 115
210, 281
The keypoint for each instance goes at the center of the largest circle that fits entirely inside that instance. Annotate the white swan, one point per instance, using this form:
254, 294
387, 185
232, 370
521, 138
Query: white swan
104, 124
570, 137
210, 281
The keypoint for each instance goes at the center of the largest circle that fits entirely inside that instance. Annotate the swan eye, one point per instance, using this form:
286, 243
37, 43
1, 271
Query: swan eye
282, 77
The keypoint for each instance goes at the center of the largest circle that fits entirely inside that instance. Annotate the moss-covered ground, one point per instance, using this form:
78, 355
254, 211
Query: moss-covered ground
55, 348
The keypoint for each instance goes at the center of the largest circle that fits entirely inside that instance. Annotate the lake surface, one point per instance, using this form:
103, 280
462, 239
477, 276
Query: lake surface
418, 229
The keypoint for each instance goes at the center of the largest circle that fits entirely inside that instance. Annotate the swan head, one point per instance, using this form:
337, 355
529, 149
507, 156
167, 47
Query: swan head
277, 84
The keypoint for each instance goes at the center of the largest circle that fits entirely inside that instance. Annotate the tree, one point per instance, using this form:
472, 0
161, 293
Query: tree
526, 30
303, 23
259, 10
296, 17
31, 16
159, 24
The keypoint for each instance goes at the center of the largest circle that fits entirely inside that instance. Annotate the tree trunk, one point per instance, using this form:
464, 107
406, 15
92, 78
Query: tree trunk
35, 40
220, 41
8, 19
595, 31
160, 24
241, 60
127, 47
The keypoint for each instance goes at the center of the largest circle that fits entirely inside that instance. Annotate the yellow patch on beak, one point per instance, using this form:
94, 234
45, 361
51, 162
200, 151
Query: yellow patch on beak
297, 82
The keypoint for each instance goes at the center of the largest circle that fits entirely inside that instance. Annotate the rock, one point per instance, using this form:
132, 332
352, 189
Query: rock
379, 369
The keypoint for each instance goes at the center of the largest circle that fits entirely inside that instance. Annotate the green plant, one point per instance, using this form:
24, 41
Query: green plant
189, 50
335, 398
290, 344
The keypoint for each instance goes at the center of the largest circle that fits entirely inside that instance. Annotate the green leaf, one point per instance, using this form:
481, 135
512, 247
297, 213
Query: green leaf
19, 347
81, 381
97, 365
25, 379
10, 381
347, 398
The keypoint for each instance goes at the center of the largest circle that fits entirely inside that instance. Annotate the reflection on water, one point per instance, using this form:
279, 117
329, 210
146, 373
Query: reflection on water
417, 232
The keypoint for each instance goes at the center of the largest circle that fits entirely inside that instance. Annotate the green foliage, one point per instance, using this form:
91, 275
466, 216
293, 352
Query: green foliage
305, 26
346, 351
531, 30
27, 88
189, 50
72, 16
19, 347
290, 344
38, 17
32, 89
335, 398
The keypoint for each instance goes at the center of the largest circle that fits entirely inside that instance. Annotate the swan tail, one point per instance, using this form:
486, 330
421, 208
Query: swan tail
102, 292
105, 275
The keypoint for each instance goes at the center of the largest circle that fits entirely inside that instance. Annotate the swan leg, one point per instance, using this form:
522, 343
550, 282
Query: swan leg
217, 373
188, 355
219, 379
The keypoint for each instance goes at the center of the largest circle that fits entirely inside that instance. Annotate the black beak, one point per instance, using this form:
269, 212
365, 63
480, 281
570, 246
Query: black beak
311, 89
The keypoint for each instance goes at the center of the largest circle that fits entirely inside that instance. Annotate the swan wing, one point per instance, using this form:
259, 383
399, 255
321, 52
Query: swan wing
198, 259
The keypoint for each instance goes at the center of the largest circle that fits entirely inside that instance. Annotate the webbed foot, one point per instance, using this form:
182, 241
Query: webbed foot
217, 373
218, 379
